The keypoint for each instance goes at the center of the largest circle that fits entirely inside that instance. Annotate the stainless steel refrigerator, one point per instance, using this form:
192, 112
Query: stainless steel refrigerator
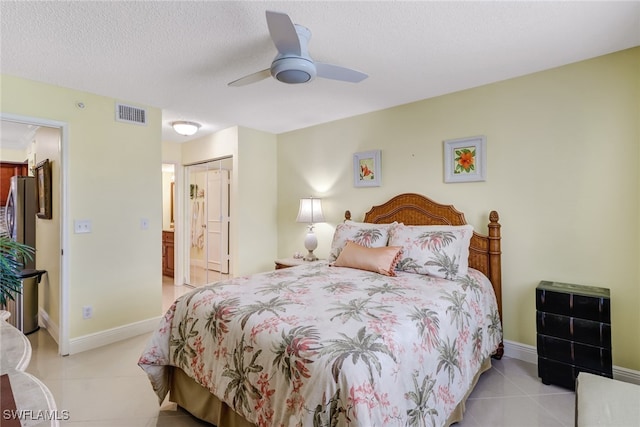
20, 218
20, 213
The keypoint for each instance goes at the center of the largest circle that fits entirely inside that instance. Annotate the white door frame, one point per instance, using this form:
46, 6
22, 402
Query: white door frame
63, 321
178, 225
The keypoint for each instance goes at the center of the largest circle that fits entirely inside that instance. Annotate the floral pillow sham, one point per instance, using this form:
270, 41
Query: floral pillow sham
362, 233
435, 250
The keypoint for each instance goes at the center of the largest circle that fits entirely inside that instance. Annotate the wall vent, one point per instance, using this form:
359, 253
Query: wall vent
130, 114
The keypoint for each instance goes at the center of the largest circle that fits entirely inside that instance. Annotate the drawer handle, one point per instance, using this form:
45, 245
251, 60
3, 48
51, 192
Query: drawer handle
601, 337
573, 354
571, 326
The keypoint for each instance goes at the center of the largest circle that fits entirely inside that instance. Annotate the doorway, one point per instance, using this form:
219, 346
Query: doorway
168, 222
208, 221
51, 234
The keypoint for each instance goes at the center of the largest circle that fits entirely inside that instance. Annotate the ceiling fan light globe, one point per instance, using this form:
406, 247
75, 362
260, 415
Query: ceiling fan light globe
293, 70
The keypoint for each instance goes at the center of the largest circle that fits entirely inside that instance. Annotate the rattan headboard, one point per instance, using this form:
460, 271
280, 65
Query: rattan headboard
414, 209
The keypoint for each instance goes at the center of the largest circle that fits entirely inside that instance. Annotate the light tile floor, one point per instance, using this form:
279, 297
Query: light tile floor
104, 387
170, 292
201, 277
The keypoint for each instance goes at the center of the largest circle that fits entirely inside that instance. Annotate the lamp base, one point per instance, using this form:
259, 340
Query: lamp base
310, 243
310, 257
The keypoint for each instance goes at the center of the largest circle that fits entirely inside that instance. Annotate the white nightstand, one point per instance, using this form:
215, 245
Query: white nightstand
290, 262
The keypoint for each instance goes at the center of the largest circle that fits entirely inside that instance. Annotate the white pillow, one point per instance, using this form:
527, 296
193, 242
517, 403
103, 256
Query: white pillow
363, 233
436, 250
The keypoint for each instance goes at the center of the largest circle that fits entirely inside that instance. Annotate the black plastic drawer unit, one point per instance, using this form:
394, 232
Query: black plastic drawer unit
573, 324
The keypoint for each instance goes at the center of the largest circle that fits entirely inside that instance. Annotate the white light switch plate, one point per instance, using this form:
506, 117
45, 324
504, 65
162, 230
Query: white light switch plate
144, 224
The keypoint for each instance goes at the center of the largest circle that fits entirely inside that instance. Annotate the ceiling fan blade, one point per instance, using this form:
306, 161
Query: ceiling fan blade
251, 78
283, 33
335, 72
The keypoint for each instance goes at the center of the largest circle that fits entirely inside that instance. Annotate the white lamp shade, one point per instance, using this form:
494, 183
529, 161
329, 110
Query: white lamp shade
310, 211
185, 128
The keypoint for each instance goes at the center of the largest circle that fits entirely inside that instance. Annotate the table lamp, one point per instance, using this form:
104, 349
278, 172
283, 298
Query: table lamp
310, 212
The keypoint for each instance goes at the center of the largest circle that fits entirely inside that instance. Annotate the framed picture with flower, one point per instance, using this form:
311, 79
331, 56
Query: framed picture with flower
366, 169
465, 159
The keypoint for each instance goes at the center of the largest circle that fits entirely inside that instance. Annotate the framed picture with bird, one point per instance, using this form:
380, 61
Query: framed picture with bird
366, 169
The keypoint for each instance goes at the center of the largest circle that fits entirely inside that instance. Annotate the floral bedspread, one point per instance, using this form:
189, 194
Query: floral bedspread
316, 345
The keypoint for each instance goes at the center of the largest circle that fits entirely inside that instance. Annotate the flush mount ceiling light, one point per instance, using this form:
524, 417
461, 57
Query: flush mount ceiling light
185, 128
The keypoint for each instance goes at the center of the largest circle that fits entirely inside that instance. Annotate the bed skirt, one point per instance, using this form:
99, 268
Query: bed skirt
199, 402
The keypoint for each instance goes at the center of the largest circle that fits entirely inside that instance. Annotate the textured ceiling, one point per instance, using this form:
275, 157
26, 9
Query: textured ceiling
179, 56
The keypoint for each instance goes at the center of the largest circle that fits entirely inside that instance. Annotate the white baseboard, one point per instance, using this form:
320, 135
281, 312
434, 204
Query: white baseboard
109, 336
46, 322
529, 354
520, 351
626, 375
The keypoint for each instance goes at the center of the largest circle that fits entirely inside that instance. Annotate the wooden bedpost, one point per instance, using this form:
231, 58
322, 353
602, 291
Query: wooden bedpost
495, 267
347, 215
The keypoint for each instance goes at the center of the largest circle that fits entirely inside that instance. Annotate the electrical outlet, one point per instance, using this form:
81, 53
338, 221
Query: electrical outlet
82, 226
87, 312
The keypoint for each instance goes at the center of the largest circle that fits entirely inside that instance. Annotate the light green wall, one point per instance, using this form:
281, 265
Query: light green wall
560, 145
114, 180
8, 155
171, 152
257, 210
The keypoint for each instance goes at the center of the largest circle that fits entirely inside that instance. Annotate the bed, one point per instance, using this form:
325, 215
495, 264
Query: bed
343, 342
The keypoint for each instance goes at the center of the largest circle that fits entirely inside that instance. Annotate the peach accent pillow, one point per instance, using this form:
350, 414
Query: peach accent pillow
379, 260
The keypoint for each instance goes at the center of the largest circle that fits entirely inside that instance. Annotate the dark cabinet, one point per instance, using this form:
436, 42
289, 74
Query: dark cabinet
7, 170
167, 253
573, 324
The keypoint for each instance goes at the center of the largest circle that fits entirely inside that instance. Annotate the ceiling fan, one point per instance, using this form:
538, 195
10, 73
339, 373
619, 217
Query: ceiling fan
293, 64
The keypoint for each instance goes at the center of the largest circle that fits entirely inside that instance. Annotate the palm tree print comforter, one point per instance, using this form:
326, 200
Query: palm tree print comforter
316, 345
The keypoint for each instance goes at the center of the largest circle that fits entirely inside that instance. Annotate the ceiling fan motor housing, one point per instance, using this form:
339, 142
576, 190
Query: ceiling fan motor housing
293, 70
293, 64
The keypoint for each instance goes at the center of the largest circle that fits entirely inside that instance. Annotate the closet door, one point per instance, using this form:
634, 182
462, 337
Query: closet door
197, 272
218, 220
208, 192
